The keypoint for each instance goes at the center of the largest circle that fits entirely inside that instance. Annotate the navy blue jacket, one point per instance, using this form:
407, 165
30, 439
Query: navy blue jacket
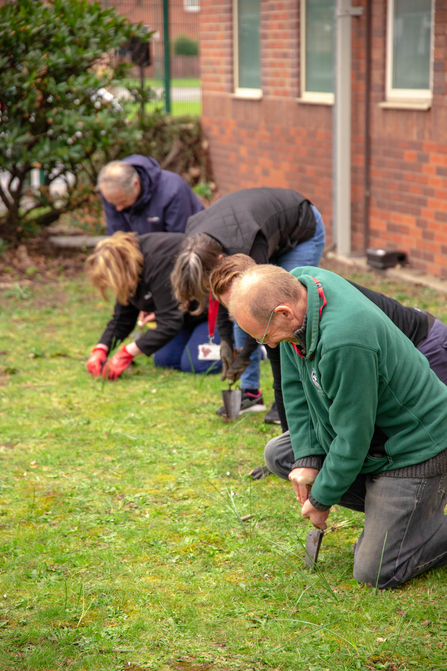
164, 204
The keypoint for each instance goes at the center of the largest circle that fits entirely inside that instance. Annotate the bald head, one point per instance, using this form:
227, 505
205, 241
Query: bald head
268, 291
119, 184
261, 288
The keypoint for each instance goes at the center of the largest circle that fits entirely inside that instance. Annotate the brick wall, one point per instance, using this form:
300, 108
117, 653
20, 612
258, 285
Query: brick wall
151, 14
270, 142
409, 160
277, 141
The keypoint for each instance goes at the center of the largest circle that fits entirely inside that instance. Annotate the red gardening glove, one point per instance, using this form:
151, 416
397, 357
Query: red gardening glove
97, 358
117, 364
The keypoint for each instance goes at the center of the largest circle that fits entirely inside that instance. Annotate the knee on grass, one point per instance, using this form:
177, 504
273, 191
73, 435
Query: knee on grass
271, 457
376, 575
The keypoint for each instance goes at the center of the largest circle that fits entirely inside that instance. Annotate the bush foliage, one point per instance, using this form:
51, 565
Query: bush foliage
185, 46
55, 112
178, 144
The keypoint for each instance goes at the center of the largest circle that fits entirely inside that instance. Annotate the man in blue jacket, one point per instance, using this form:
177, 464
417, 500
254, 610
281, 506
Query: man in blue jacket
137, 195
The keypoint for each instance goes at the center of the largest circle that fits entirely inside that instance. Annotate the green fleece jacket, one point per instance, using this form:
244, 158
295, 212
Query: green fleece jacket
359, 371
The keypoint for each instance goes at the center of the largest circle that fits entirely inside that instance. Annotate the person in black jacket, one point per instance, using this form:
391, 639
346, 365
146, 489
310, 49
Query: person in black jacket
271, 225
136, 270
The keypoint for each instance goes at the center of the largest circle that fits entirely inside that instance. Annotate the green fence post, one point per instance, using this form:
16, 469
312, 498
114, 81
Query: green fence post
167, 56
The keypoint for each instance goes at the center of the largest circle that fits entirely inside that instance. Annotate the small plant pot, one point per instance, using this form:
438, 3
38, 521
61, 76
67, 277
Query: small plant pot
232, 402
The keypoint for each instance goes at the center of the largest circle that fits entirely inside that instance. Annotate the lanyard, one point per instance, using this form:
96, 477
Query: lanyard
322, 296
213, 308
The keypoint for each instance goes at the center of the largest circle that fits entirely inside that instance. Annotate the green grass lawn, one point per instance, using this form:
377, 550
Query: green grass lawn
178, 108
122, 543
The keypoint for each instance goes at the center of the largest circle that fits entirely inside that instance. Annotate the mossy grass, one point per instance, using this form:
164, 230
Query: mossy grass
132, 537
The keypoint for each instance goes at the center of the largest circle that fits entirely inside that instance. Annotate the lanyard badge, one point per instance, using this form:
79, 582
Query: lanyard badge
210, 351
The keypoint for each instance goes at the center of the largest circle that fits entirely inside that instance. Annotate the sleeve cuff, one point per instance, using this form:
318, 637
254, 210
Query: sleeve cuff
314, 461
249, 347
227, 339
316, 504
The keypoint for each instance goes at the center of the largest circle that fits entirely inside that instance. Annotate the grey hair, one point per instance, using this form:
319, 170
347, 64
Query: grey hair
262, 289
117, 175
197, 258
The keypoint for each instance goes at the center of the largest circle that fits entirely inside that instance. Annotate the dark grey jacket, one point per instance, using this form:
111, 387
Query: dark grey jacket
282, 217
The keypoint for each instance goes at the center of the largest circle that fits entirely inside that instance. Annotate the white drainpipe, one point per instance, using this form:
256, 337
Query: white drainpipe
342, 125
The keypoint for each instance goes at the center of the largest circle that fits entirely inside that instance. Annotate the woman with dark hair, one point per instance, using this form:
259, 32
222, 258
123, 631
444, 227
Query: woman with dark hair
270, 225
136, 270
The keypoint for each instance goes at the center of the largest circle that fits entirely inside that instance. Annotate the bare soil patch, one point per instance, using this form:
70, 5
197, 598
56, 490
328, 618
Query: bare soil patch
37, 261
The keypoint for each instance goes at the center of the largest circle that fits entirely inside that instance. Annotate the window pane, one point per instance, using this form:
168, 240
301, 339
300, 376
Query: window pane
411, 44
319, 46
248, 44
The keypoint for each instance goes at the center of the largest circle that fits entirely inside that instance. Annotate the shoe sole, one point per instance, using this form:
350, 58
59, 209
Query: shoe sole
272, 421
254, 408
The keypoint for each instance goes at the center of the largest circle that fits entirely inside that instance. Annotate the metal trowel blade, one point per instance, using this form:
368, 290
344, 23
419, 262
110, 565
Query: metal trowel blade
314, 538
232, 402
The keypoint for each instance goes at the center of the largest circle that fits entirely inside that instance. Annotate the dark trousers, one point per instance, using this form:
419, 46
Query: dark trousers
181, 352
405, 531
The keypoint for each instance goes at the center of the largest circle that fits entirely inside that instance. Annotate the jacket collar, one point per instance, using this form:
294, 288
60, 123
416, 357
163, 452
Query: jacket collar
316, 301
149, 173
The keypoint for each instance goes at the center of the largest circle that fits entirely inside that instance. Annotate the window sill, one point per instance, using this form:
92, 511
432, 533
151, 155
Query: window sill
316, 101
248, 94
421, 105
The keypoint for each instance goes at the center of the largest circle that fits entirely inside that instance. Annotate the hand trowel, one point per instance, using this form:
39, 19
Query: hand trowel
314, 538
232, 401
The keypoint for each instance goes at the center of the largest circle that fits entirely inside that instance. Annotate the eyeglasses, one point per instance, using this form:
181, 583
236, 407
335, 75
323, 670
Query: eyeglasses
261, 341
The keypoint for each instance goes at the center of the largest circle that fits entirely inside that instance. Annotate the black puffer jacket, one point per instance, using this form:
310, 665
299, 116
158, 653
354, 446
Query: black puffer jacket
153, 294
283, 217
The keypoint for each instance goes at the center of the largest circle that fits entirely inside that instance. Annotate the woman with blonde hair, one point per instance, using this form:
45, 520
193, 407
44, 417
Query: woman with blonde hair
136, 270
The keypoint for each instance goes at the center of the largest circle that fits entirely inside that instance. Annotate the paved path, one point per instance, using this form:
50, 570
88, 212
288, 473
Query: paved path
76, 241
186, 93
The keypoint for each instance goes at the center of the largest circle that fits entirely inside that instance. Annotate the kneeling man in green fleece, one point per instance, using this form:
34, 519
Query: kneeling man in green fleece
367, 417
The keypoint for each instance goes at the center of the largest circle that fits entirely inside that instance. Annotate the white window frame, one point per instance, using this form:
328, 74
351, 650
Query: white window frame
251, 94
407, 97
323, 98
189, 7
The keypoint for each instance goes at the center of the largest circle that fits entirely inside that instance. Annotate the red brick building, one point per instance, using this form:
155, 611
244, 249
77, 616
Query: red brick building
183, 23
184, 14
267, 88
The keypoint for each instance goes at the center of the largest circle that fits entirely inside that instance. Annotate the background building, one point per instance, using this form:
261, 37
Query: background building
183, 33
267, 101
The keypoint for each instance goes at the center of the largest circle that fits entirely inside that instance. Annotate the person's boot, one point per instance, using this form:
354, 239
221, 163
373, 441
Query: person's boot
260, 473
272, 417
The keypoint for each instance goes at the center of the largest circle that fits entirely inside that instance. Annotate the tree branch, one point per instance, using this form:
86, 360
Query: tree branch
5, 199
